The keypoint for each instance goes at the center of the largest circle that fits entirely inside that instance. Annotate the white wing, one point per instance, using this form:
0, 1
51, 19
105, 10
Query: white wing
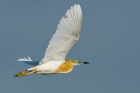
24, 59
66, 35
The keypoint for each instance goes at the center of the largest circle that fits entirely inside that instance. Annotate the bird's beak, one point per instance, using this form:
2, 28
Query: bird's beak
86, 62
79, 63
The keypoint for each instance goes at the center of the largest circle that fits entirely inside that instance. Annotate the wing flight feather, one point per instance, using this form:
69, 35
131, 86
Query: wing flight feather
66, 35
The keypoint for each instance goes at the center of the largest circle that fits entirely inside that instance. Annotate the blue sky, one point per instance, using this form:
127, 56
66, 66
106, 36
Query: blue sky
110, 41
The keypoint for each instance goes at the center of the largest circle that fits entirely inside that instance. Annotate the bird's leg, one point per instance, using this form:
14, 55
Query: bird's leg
30, 72
21, 74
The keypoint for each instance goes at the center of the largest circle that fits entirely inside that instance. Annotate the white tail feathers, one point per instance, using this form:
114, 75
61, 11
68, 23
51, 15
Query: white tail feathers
24, 59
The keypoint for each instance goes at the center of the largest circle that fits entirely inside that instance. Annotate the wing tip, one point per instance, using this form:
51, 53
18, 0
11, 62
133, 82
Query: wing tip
77, 5
24, 59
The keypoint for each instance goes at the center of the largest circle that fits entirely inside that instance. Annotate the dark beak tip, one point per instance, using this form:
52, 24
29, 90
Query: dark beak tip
86, 62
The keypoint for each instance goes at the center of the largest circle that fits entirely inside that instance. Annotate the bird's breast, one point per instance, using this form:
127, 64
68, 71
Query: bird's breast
65, 67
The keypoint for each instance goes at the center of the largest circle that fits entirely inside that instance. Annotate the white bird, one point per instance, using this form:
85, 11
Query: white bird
66, 35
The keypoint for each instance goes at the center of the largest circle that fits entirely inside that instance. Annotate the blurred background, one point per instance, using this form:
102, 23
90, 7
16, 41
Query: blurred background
110, 41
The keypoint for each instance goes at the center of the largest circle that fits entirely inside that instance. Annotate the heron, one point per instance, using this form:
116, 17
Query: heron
66, 35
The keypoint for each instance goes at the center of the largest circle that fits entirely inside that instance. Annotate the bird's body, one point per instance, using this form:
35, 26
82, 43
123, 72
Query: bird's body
54, 67
67, 34
46, 68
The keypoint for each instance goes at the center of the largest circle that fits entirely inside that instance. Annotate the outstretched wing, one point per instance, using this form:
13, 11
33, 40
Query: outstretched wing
66, 35
28, 61
24, 59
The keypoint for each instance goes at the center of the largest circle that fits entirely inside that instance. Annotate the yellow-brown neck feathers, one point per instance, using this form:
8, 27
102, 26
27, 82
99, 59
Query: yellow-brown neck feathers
66, 67
71, 62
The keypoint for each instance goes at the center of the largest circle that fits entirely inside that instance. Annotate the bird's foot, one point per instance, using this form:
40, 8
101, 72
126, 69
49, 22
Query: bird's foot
20, 74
